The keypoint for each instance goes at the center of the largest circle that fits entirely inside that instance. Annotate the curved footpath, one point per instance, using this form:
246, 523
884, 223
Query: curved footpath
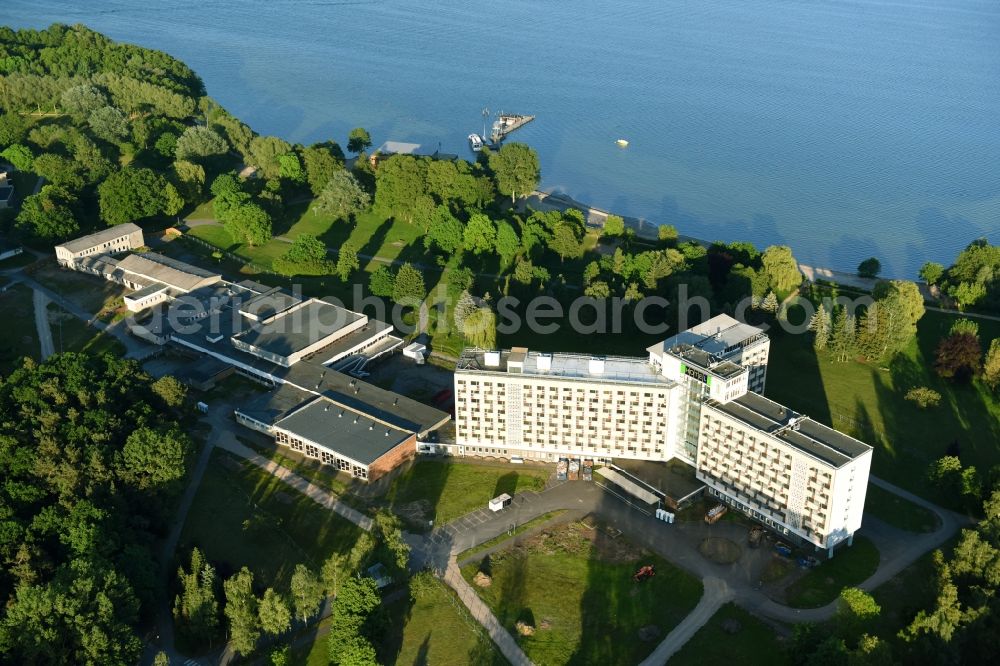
675, 543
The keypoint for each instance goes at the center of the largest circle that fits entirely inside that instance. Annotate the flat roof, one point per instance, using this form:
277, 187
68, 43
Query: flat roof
170, 272
402, 412
269, 303
270, 407
103, 236
299, 328
343, 429
719, 336
705, 361
829, 445
565, 366
627, 484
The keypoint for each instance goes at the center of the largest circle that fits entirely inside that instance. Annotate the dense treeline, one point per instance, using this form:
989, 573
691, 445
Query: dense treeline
61, 54
973, 280
91, 462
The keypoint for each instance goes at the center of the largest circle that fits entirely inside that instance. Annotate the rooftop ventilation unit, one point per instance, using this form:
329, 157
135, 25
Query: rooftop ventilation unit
545, 362
492, 359
596, 366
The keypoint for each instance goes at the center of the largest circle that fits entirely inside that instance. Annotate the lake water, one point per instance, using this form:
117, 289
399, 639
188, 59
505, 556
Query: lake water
844, 129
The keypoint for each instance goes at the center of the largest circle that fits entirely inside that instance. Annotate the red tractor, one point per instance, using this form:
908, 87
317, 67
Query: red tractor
643, 573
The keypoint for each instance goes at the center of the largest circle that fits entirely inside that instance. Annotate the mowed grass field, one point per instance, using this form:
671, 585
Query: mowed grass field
850, 566
574, 587
732, 636
869, 402
453, 489
434, 628
244, 517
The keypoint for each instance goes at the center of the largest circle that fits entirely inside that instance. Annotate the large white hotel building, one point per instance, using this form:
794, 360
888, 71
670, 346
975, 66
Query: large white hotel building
697, 397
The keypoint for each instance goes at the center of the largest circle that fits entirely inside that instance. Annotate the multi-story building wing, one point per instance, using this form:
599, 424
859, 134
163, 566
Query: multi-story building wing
725, 338
695, 398
784, 469
543, 406
113, 240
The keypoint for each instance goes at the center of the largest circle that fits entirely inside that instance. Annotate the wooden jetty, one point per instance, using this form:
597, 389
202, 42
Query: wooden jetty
507, 123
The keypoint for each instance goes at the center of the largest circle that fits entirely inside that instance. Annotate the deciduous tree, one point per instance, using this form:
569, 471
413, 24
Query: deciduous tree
248, 223
781, 269
381, 282
275, 618
347, 261
48, 215
241, 611
199, 142
869, 268
109, 123
131, 194
445, 231
515, 170
358, 140
991, 367
480, 234
307, 592
614, 225
342, 196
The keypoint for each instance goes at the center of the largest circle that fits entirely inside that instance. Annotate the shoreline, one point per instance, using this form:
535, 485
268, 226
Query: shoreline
644, 228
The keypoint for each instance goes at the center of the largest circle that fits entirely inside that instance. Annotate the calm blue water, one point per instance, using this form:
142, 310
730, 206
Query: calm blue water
845, 129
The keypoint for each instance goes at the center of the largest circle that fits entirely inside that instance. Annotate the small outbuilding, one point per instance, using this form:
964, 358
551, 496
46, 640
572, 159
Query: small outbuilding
416, 351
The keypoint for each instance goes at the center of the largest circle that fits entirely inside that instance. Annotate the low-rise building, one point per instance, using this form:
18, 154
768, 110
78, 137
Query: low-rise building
113, 240
300, 347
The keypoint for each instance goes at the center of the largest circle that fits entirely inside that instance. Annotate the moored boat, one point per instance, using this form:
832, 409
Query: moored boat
476, 142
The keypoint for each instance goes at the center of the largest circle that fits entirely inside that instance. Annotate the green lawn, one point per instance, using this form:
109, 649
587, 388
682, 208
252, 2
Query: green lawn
580, 597
904, 595
433, 629
753, 643
244, 517
20, 335
899, 512
71, 334
452, 489
90, 292
868, 402
849, 567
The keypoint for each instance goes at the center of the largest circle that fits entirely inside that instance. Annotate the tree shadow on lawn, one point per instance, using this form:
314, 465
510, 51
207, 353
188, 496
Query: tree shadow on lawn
373, 244
422, 483
964, 424
339, 232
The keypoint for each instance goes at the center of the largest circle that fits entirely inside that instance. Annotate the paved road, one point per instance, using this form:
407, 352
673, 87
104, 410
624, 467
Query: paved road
134, 348
676, 543
716, 594
41, 303
164, 618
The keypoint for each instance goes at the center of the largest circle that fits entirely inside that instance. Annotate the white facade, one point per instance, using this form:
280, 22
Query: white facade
114, 240
755, 455
541, 415
689, 400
